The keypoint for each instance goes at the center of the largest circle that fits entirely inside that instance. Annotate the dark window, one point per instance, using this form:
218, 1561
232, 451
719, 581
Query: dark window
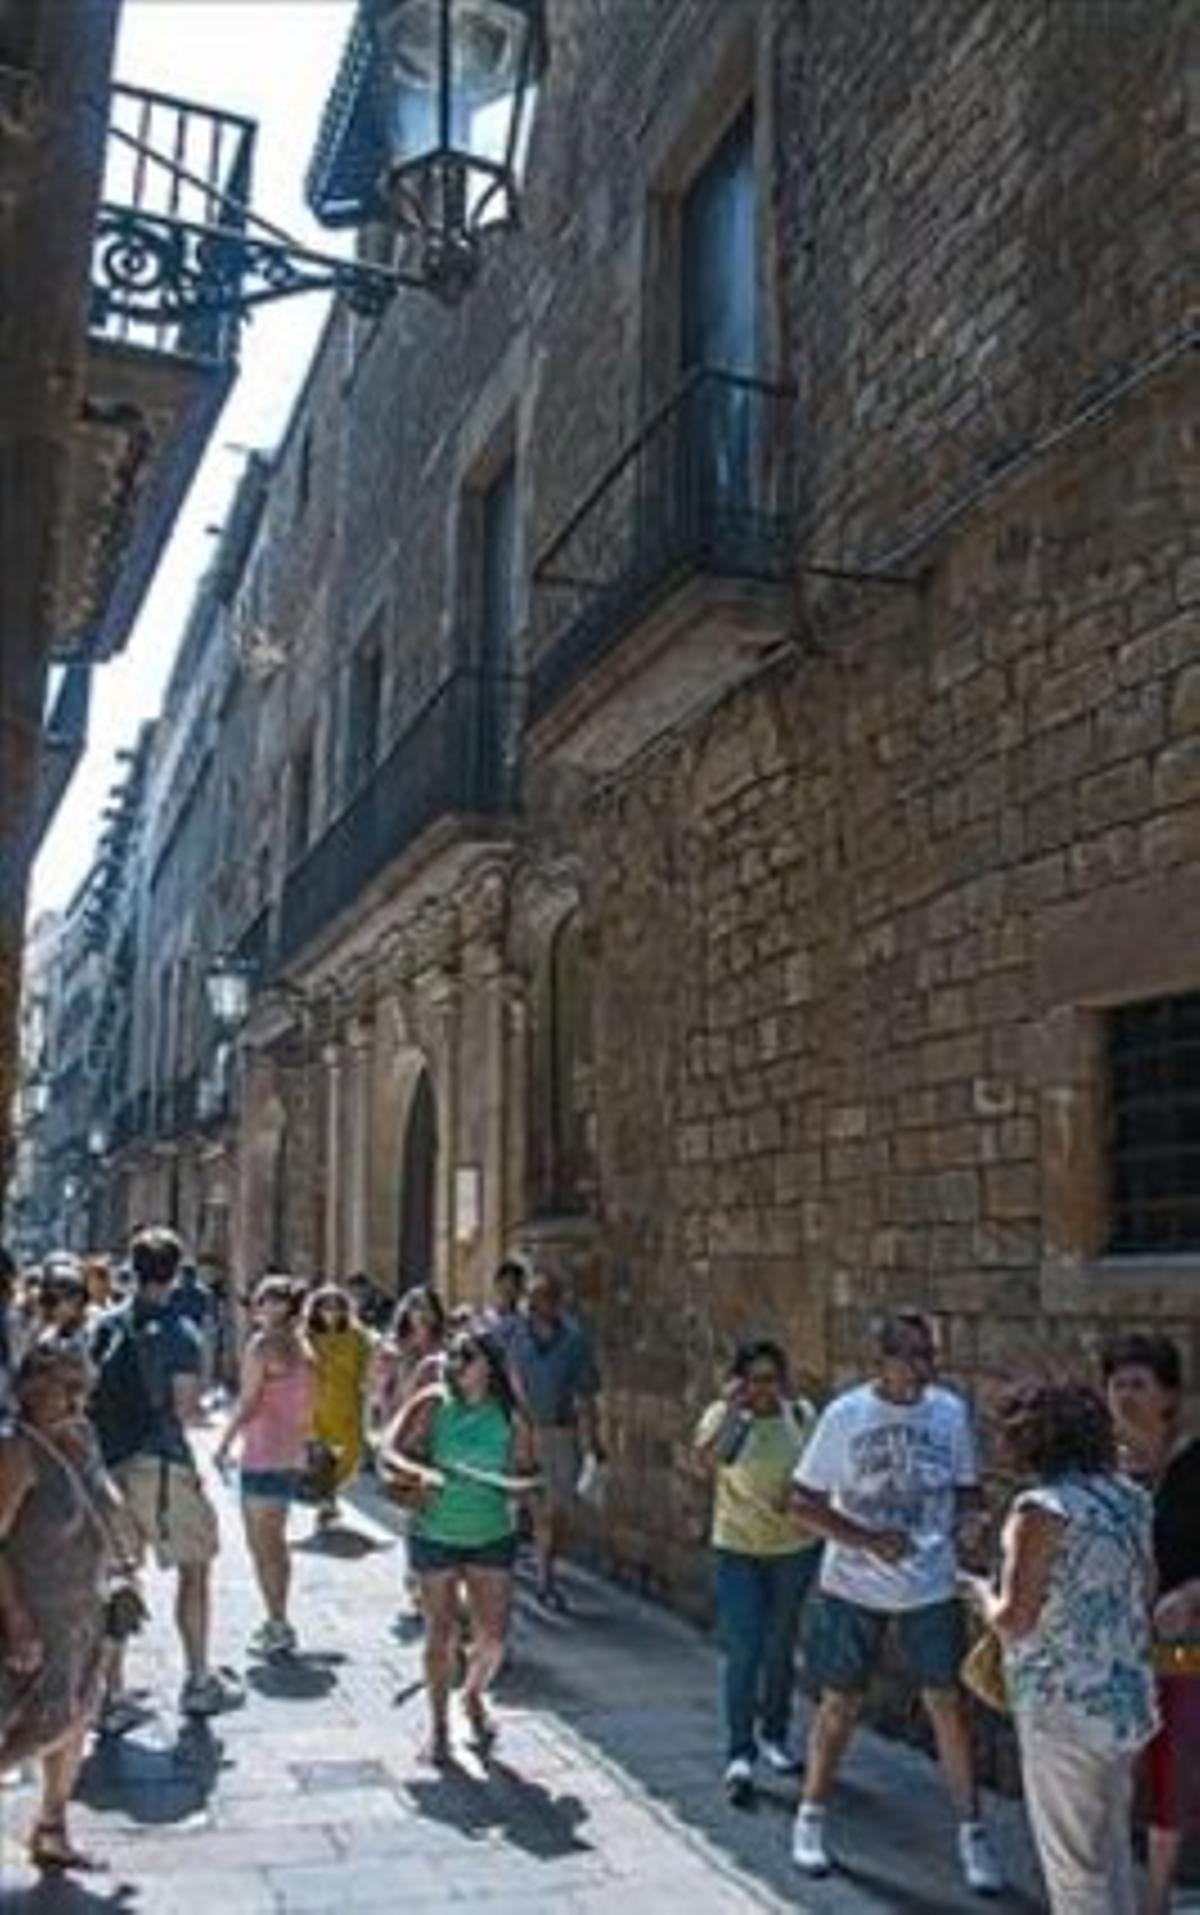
364, 715
418, 1188
561, 1153
496, 596
300, 802
720, 267
1154, 1125
719, 329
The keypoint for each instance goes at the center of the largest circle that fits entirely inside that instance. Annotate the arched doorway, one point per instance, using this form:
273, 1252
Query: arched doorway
418, 1187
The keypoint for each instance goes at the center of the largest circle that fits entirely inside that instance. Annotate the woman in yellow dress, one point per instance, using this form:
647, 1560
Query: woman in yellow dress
343, 1350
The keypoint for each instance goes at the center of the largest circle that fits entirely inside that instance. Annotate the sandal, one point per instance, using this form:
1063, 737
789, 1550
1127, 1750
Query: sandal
52, 1851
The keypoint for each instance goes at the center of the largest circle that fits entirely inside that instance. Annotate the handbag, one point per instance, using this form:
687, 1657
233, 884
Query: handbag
318, 1478
982, 1672
125, 1612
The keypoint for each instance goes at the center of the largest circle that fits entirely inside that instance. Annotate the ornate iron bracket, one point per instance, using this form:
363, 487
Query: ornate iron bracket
162, 271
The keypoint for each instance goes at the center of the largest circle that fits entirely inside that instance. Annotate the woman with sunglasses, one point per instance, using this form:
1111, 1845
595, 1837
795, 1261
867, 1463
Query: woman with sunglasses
463, 1449
343, 1352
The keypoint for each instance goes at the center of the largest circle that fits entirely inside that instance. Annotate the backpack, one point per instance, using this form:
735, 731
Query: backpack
132, 1390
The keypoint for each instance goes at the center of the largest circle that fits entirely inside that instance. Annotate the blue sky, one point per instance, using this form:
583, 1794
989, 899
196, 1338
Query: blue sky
273, 60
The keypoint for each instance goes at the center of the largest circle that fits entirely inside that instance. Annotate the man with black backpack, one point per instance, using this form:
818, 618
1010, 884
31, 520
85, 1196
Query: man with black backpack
147, 1391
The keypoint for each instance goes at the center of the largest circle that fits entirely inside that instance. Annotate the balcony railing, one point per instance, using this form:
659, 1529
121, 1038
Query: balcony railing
252, 948
168, 249
177, 1106
450, 760
131, 1122
707, 486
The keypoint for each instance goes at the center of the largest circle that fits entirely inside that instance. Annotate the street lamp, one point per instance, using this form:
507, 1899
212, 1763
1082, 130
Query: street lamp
458, 79
424, 135
227, 982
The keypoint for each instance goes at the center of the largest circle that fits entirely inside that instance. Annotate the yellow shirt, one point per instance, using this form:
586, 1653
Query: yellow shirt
750, 1512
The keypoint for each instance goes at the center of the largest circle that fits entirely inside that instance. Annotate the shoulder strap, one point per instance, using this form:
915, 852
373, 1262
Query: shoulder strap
74, 1476
151, 1368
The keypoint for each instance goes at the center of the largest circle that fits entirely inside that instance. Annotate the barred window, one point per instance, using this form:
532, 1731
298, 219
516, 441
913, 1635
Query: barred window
1154, 1125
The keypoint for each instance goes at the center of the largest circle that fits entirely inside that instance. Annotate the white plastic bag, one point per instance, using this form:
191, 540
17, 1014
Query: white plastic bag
591, 1485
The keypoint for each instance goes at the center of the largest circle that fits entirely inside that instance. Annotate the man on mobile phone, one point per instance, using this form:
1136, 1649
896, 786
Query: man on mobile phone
884, 1479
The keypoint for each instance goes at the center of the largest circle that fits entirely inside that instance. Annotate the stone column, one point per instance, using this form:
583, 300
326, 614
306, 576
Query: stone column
260, 1120
361, 1044
515, 1115
444, 1001
331, 1058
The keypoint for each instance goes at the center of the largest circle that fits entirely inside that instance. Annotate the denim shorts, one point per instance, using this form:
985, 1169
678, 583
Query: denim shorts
269, 1485
428, 1557
844, 1642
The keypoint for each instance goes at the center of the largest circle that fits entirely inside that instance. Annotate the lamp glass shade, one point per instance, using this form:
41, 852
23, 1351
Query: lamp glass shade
459, 74
228, 993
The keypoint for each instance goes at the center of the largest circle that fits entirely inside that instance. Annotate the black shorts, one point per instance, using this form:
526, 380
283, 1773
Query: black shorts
427, 1557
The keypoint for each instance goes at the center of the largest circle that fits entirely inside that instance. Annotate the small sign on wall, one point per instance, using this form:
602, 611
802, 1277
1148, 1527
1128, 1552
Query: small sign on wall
468, 1202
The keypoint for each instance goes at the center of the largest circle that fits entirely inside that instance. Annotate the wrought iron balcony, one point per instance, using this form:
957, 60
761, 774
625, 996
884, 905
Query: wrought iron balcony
680, 555
170, 269
169, 252
252, 948
449, 762
177, 1107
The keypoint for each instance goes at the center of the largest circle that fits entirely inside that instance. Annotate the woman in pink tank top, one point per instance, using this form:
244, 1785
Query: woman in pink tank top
274, 1419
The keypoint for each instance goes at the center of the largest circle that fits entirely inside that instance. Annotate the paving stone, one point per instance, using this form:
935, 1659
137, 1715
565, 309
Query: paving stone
604, 1792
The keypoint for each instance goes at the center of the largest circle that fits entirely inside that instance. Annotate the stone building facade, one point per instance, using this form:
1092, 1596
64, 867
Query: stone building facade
719, 724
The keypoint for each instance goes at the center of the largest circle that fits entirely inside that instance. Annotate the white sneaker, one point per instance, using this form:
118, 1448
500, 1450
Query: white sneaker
977, 1859
780, 1758
808, 1841
739, 1781
274, 1638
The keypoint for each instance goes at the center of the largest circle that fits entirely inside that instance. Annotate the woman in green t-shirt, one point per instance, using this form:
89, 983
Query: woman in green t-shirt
465, 1451
752, 1439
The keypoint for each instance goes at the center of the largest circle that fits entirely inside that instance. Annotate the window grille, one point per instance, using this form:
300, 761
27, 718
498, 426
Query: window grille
1154, 1125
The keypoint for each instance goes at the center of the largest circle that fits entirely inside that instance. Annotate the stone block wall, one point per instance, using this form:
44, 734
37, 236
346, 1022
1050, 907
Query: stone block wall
853, 931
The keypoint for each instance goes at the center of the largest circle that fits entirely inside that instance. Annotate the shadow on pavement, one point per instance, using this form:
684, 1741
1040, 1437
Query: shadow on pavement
340, 1542
62, 1895
298, 1678
153, 1785
523, 1813
891, 1831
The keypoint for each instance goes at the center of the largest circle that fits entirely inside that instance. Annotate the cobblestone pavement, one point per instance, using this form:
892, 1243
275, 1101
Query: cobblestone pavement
604, 1790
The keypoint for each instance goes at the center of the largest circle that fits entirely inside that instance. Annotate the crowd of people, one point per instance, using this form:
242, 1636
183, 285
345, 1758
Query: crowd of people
865, 1516
468, 1416
838, 1531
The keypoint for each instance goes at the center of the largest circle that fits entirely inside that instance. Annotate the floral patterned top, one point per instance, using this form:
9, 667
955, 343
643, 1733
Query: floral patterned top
1084, 1668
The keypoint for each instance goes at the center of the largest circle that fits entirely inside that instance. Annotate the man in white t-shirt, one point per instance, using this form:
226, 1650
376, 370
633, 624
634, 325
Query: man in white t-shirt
883, 1479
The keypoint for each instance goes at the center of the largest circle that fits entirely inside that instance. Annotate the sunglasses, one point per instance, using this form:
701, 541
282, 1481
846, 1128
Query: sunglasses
465, 1354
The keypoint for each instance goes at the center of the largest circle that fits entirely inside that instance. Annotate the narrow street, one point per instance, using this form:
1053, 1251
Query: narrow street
604, 1788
